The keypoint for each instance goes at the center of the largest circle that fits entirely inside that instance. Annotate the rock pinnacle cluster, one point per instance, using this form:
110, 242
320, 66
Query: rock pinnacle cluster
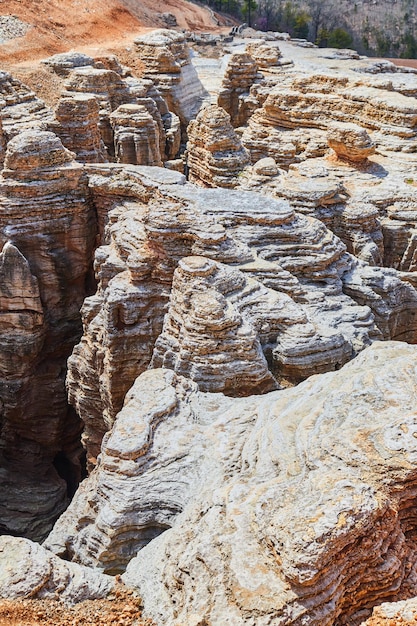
208, 312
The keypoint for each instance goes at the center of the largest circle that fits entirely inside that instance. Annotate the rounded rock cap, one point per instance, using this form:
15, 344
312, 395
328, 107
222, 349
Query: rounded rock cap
35, 149
197, 265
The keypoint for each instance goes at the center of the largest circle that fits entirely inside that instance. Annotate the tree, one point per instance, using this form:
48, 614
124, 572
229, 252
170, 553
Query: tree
323, 14
267, 10
248, 9
339, 38
410, 46
301, 25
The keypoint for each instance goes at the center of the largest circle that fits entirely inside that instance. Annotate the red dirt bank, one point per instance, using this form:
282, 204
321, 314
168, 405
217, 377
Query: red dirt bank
68, 24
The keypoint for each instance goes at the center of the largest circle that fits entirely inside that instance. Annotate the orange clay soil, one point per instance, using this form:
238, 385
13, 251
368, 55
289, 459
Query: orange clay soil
63, 25
387, 621
405, 62
122, 610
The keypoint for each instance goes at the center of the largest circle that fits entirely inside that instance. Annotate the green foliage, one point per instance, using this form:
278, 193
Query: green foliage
322, 38
365, 42
410, 47
383, 44
301, 25
294, 21
339, 38
248, 9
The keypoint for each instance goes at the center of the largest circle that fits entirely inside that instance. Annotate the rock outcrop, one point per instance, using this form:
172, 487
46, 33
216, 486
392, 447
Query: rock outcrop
78, 120
21, 110
107, 83
291, 103
48, 232
350, 141
289, 506
401, 613
265, 55
241, 73
30, 571
136, 136
206, 337
215, 155
167, 61
334, 305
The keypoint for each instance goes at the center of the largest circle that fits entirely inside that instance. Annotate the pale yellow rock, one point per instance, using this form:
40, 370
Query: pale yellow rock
292, 507
240, 75
215, 155
350, 142
136, 136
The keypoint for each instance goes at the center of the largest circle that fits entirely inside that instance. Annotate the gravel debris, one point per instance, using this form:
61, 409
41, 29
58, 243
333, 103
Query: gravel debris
11, 27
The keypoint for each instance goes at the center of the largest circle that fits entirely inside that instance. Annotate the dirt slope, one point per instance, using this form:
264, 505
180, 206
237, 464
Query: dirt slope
68, 24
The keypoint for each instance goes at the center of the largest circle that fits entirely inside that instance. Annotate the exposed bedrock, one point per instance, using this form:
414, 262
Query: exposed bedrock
20, 109
265, 55
215, 155
108, 85
27, 570
370, 205
47, 233
78, 127
136, 136
241, 73
312, 305
167, 61
295, 109
208, 335
293, 507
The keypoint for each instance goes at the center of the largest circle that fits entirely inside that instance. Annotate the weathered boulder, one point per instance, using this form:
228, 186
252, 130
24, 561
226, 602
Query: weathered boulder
215, 155
27, 570
350, 141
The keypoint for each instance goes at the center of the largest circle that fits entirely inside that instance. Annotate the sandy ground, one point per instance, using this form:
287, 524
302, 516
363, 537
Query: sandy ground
405, 62
122, 610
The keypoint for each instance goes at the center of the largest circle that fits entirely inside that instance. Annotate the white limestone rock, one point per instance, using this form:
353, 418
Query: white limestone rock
27, 570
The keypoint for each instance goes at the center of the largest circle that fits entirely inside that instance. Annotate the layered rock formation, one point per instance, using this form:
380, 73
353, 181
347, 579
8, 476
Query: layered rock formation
350, 141
20, 109
48, 232
167, 61
78, 119
215, 155
334, 306
136, 136
30, 571
106, 82
206, 337
312, 102
286, 507
265, 55
240, 75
